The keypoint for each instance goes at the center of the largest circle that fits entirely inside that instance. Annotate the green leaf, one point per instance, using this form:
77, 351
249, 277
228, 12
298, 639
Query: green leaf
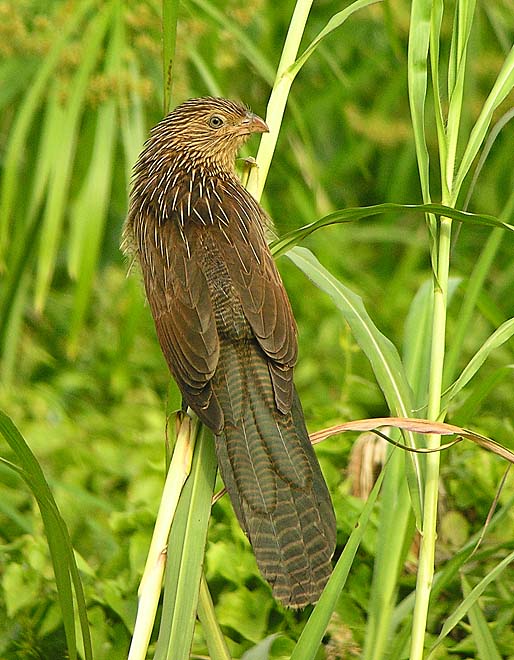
379, 350
185, 554
283, 244
497, 339
60, 177
310, 639
26, 113
336, 21
501, 88
61, 550
463, 608
483, 637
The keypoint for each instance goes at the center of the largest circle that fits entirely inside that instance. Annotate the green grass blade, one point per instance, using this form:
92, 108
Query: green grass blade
336, 21
465, 10
463, 608
474, 287
379, 350
246, 46
186, 554
480, 630
278, 98
16, 147
61, 174
61, 550
216, 644
293, 238
503, 85
90, 210
497, 339
481, 390
394, 534
169, 38
419, 39
440, 122
446, 575
310, 639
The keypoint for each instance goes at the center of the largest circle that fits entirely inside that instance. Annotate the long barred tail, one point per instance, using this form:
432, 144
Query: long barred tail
273, 478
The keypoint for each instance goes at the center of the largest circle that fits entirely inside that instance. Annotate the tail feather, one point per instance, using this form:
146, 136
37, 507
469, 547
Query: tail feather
273, 478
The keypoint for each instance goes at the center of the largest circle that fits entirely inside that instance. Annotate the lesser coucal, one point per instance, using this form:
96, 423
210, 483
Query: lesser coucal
227, 331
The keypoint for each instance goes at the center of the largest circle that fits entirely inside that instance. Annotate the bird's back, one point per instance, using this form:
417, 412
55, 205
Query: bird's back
227, 331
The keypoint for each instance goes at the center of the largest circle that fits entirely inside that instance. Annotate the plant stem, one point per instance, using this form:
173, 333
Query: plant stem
278, 98
428, 536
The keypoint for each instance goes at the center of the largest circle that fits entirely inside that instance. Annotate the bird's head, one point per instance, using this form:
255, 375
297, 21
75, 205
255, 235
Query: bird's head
208, 131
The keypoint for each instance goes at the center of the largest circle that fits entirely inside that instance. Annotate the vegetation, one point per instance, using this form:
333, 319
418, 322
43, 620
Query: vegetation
398, 103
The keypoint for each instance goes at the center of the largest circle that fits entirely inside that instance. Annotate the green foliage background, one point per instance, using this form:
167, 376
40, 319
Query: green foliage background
82, 374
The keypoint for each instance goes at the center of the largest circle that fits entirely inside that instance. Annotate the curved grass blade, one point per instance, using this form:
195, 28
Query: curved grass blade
286, 72
460, 612
503, 85
336, 21
310, 639
379, 350
480, 391
390, 375
497, 339
291, 239
61, 550
483, 637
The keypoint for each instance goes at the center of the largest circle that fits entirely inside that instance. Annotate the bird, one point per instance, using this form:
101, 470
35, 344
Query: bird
227, 331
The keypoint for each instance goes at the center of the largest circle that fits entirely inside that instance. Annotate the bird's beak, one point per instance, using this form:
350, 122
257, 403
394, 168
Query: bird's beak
253, 124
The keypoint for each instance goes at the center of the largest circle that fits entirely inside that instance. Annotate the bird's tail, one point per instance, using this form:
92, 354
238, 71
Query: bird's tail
273, 478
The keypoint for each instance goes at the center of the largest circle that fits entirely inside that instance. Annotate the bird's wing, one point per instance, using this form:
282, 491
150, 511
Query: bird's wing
259, 286
178, 294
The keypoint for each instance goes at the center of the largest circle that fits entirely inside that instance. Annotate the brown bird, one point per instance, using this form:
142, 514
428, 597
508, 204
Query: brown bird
227, 331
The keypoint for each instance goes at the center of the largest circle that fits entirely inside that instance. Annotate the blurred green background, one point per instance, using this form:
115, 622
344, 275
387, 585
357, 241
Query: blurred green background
82, 373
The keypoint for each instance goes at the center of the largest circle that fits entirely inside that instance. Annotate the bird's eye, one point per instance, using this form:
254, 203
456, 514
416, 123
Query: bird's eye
216, 121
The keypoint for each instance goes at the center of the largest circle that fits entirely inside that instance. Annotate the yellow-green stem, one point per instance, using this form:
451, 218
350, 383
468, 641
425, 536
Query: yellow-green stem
429, 532
278, 98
